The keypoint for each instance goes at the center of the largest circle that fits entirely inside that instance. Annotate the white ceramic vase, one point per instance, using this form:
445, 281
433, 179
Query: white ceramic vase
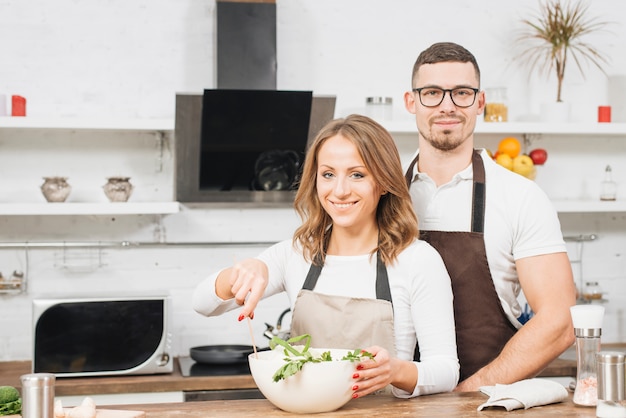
555, 112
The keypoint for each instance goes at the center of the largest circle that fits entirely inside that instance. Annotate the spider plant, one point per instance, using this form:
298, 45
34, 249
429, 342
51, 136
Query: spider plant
555, 34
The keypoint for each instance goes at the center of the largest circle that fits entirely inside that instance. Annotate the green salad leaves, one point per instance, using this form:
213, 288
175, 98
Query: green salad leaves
10, 401
297, 357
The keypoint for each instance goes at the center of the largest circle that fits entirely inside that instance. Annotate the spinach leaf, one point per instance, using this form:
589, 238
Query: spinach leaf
296, 358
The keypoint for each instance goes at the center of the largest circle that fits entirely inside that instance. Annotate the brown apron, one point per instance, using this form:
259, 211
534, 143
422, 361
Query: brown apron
482, 327
345, 322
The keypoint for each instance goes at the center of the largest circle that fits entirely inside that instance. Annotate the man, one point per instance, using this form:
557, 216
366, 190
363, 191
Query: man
495, 230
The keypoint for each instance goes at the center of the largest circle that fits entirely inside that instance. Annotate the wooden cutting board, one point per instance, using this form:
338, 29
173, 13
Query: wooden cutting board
119, 413
106, 413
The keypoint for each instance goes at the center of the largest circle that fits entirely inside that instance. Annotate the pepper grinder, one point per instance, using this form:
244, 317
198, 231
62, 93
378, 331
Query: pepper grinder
587, 320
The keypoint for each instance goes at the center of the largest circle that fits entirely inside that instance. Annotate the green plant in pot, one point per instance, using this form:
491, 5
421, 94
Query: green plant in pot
556, 34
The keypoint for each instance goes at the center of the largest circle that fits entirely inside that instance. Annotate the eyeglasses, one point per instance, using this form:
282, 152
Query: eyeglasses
433, 96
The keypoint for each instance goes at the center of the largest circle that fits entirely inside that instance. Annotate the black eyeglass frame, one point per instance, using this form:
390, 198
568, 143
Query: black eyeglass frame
443, 96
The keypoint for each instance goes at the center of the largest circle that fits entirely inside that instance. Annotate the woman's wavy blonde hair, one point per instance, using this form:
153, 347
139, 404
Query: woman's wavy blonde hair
397, 223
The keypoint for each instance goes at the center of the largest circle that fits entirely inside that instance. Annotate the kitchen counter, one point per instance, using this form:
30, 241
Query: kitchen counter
11, 371
381, 406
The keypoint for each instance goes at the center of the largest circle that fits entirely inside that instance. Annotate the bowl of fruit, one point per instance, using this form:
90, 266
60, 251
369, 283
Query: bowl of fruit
509, 155
305, 380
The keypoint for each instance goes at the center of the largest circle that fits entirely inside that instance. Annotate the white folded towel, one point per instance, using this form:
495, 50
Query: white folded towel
524, 394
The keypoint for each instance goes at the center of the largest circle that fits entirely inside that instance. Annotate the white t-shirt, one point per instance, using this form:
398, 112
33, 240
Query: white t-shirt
520, 221
420, 290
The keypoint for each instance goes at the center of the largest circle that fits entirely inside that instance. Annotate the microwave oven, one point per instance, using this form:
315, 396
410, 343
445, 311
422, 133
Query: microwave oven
102, 336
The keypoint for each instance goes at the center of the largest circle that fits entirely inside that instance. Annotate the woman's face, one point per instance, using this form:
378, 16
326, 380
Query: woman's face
345, 187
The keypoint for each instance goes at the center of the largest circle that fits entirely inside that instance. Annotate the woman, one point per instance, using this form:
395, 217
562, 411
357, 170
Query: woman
355, 272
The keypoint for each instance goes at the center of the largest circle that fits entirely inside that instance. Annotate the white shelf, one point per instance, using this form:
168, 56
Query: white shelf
589, 206
118, 208
407, 126
87, 123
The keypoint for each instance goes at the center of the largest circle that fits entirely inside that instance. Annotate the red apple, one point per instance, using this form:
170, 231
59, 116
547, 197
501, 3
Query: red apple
539, 156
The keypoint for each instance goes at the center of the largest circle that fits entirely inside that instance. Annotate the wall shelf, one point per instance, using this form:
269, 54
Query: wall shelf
407, 126
87, 124
589, 206
118, 208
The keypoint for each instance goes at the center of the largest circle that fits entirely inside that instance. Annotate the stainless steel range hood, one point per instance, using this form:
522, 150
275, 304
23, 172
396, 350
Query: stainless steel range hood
246, 44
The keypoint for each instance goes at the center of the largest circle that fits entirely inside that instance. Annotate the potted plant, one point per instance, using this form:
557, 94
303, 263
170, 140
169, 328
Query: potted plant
555, 34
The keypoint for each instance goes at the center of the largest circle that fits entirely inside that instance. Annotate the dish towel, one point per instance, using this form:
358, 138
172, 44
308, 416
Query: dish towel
524, 394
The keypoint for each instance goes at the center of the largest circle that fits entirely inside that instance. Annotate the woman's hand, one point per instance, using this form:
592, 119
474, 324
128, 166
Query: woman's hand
245, 282
383, 370
372, 374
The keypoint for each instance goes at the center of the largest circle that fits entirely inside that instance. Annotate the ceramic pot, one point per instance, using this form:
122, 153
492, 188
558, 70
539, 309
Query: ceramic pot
56, 189
555, 112
118, 189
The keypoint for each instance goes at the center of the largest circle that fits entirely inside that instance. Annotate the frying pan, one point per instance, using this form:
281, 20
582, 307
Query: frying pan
221, 354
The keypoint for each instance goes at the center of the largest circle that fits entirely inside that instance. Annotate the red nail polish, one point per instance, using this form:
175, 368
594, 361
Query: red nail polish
354, 396
355, 387
355, 376
241, 317
359, 367
252, 315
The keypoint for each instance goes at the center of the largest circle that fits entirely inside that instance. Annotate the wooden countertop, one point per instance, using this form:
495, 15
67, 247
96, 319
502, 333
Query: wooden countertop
458, 405
11, 371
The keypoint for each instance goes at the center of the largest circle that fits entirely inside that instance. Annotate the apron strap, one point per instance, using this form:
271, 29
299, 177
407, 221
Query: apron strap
382, 279
478, 201
478, 204
313, 274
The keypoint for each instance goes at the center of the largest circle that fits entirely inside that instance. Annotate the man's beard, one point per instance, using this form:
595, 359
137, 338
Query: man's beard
443, 141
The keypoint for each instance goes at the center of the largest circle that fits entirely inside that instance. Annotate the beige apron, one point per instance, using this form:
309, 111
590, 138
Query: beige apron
345, 322
482, 327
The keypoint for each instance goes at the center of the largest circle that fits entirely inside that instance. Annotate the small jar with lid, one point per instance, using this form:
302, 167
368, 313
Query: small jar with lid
592, 291
496, 109
379, 108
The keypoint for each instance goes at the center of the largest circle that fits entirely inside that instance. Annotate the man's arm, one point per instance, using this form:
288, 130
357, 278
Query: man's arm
548, 285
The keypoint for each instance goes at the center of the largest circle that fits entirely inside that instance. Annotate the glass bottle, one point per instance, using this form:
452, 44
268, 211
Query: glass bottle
592, 292
587, 321
609, 187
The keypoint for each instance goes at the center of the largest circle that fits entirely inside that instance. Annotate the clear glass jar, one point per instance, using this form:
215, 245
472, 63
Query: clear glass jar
496, 109
379, 108
592, 291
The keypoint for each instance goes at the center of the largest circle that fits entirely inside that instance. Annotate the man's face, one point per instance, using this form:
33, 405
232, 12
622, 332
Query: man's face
445, 126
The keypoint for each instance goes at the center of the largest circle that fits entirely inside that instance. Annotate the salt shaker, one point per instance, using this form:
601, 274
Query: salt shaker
587, 320
611, 386
38, 395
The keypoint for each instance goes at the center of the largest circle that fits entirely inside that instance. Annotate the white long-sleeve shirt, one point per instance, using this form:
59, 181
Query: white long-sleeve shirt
420, 290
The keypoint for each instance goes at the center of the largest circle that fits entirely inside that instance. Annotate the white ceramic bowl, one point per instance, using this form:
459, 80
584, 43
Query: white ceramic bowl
318, 387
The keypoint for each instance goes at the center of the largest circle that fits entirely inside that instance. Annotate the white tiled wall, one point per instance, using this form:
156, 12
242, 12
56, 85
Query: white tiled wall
129, 58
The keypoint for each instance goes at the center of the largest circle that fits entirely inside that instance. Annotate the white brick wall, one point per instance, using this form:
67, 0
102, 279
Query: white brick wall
128, 59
